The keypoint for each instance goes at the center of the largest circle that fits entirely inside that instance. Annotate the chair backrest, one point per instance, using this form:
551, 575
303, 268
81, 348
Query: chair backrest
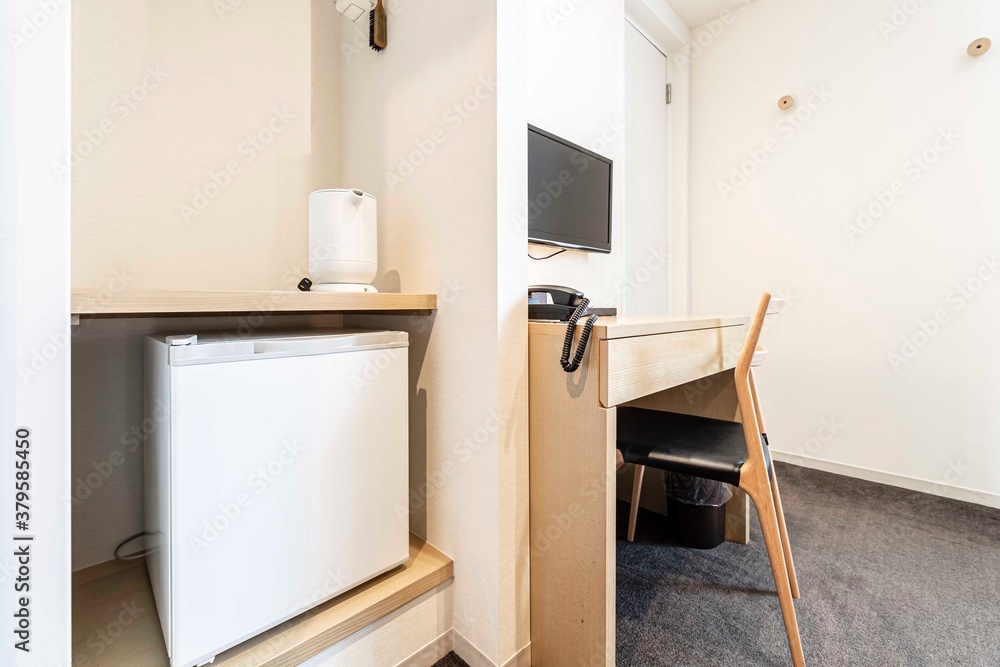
749, 413
753, 335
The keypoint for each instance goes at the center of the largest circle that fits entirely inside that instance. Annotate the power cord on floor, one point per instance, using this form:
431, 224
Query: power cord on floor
138, 555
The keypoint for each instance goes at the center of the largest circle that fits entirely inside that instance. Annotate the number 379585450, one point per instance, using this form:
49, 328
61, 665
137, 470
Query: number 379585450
22, 475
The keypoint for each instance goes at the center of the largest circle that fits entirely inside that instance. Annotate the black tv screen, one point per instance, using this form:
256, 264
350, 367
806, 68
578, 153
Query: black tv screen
569, 194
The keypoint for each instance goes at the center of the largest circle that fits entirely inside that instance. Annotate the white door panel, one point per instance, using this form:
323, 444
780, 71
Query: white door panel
645, 244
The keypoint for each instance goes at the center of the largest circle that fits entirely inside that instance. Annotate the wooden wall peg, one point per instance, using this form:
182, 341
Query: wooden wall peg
979, 47
786, 102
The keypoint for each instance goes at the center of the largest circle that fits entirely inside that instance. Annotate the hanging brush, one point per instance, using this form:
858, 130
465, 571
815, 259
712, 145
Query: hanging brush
377, 34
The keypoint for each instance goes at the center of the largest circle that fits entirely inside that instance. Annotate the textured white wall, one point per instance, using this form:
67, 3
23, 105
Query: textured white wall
199, 129
512, 314
576, 66
872, 205
423, 134
575, 91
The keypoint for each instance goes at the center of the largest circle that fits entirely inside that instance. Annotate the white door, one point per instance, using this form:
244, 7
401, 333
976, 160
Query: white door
645, 276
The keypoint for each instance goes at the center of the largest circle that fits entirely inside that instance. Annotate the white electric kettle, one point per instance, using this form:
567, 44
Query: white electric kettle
343, 241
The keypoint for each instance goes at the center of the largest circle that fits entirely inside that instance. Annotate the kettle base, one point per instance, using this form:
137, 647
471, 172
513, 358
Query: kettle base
343, 287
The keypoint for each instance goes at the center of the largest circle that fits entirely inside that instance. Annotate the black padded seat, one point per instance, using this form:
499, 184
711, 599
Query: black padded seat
698, 446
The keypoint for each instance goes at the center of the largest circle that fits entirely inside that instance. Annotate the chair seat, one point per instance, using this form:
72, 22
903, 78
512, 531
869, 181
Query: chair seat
698, 446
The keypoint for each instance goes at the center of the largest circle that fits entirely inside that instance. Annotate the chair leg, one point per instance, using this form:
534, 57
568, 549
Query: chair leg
636, 492
785, 543
760, 492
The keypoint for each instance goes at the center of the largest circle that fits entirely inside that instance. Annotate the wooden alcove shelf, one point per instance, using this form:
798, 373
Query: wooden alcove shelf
164, 303
100, 591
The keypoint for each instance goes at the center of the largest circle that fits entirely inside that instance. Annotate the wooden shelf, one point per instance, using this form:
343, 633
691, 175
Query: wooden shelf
118, 597
161, 303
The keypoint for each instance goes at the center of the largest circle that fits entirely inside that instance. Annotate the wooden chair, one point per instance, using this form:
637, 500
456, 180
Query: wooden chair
730, 452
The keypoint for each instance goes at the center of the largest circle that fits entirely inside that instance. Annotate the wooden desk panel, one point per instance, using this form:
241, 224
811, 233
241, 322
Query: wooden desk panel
643, 365
627, 326
572, 461
572, 507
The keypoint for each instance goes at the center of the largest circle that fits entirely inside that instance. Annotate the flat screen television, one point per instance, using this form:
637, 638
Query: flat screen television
569, 194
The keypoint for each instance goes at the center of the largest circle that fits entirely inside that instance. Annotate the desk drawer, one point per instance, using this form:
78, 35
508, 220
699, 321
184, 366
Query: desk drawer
642, 365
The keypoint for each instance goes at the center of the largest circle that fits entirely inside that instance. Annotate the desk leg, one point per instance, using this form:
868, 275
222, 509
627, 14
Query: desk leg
572, 486
738, 518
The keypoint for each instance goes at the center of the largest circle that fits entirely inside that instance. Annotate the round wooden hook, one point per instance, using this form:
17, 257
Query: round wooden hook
979, 47
786, 102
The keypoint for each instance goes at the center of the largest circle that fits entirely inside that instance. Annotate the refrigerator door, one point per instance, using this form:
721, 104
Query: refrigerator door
288, 482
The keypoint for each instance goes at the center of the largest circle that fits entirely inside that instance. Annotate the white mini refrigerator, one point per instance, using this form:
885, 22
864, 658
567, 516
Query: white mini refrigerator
275, 477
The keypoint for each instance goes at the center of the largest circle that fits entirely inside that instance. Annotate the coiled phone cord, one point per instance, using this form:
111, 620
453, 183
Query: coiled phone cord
581, 348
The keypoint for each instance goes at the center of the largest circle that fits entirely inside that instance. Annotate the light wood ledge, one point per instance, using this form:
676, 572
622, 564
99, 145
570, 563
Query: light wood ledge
115, 621
626, 326
161, 303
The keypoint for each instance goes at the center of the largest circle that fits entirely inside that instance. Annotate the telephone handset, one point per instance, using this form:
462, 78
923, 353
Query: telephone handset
563, 304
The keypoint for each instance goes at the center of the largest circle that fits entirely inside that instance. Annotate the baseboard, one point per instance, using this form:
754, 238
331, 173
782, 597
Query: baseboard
432, 652
468, 651
892, 479
521, 659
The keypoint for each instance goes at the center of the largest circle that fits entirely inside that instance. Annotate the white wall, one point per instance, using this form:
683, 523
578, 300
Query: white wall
860, 373
126, 192
34, 322
575, 73
512, 315
199, 129
576, 89
423, 134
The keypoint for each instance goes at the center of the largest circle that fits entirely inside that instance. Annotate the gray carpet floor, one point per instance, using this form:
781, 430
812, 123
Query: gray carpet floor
888, 578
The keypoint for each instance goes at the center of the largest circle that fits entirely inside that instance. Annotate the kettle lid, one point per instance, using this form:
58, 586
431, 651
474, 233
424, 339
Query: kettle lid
355, 191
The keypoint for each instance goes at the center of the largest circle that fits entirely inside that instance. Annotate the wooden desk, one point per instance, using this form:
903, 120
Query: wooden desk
678, 365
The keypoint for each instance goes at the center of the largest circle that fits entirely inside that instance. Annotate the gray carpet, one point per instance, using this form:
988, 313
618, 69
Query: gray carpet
888, 577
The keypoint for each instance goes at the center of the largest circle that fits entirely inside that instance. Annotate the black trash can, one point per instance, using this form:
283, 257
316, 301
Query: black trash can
696, 510
696, 526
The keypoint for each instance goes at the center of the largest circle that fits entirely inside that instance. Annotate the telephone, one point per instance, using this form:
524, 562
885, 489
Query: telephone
563, 304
